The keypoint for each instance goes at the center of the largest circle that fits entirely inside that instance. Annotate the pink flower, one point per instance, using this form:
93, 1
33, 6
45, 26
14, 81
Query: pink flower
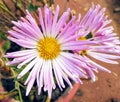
47, 50
107, 49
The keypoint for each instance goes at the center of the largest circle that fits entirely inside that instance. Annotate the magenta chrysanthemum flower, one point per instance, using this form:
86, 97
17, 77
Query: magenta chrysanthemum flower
47, 50
107, 49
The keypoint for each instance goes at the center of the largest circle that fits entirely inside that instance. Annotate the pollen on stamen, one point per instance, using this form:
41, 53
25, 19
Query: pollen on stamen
82, 38
83, 52
48, 48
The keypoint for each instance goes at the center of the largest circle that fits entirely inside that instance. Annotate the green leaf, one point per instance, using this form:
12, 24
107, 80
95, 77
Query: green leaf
15, 79
3, 36
32, 7
25, 76
20, 69
6, 46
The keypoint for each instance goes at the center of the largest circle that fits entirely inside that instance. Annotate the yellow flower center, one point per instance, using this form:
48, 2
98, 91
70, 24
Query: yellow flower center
88, 36
82, 38
83, 52
48, 48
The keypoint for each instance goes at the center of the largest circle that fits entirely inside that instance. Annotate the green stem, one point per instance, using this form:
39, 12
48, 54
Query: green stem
17, 86
19, 92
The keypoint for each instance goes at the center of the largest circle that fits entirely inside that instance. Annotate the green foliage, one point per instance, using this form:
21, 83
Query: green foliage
32, 7
15, 79
3, 36
20, 69
25, 76
6, 46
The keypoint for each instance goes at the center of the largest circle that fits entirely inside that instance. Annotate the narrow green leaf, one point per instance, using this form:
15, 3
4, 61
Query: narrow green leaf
32, 7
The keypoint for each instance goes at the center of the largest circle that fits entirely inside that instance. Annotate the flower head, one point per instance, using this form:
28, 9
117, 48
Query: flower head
47, 50
107, 48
